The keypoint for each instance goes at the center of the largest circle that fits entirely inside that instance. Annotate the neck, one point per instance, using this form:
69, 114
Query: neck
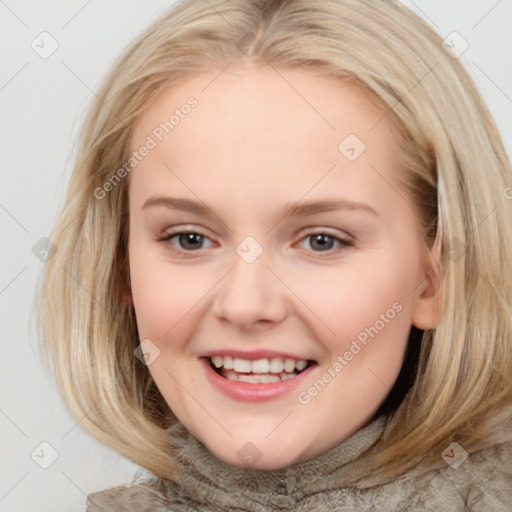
211, 482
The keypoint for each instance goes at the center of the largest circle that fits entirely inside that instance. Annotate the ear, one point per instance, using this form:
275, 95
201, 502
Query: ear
427, 308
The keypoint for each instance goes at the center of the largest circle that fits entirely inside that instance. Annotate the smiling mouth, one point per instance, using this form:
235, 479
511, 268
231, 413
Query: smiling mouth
261, 376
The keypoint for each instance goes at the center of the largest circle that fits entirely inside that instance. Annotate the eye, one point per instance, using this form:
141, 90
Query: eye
324, 242
188, 241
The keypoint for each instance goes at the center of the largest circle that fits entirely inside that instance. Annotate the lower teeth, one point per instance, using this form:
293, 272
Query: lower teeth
262, 378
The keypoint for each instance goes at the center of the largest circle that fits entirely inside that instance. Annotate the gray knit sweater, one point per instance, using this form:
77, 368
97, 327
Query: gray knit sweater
481, 483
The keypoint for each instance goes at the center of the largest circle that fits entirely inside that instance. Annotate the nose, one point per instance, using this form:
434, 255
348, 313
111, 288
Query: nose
251, 296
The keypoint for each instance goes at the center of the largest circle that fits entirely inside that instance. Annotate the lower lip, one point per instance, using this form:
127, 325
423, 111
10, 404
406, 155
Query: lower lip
249, 392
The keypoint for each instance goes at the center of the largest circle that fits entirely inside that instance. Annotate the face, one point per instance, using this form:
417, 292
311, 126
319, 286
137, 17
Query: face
276, 263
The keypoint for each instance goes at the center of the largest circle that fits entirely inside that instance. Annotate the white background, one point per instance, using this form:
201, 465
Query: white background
42, 102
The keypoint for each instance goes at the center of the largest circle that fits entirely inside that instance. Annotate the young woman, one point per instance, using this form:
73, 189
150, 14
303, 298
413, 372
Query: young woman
287, 237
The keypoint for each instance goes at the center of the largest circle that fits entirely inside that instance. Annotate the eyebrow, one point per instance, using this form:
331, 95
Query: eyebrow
289, 209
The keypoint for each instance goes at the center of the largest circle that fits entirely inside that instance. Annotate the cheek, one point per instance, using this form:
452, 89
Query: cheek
354, 297
369, 307
164, 295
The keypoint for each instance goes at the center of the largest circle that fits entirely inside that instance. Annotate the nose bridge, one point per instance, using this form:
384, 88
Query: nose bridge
250, 292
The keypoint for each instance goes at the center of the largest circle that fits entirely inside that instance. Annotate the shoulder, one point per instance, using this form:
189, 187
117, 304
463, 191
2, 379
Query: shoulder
133, 498
485, 477
480, 481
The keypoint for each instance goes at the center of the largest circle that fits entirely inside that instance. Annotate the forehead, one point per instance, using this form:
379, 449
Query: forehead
252, 128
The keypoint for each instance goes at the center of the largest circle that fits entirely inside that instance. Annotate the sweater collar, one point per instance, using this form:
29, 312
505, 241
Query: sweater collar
209, 481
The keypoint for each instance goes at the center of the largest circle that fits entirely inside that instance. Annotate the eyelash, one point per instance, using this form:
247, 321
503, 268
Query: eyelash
166, 238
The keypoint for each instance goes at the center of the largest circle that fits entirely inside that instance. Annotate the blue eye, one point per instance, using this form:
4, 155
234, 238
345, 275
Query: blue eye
192, 241
325, 241
187, 240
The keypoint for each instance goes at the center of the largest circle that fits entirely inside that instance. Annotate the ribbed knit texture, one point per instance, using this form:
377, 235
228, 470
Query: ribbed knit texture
482, 483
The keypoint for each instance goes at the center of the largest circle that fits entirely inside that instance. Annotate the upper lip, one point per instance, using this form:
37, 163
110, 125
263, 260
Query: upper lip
253, 354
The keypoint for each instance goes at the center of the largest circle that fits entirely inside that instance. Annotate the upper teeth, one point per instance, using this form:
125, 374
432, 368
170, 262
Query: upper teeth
274, 365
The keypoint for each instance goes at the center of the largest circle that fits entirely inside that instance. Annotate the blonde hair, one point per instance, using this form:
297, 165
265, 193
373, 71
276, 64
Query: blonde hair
455, 168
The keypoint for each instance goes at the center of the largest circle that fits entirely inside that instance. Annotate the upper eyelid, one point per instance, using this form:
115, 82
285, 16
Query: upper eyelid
305, 231
185, 229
